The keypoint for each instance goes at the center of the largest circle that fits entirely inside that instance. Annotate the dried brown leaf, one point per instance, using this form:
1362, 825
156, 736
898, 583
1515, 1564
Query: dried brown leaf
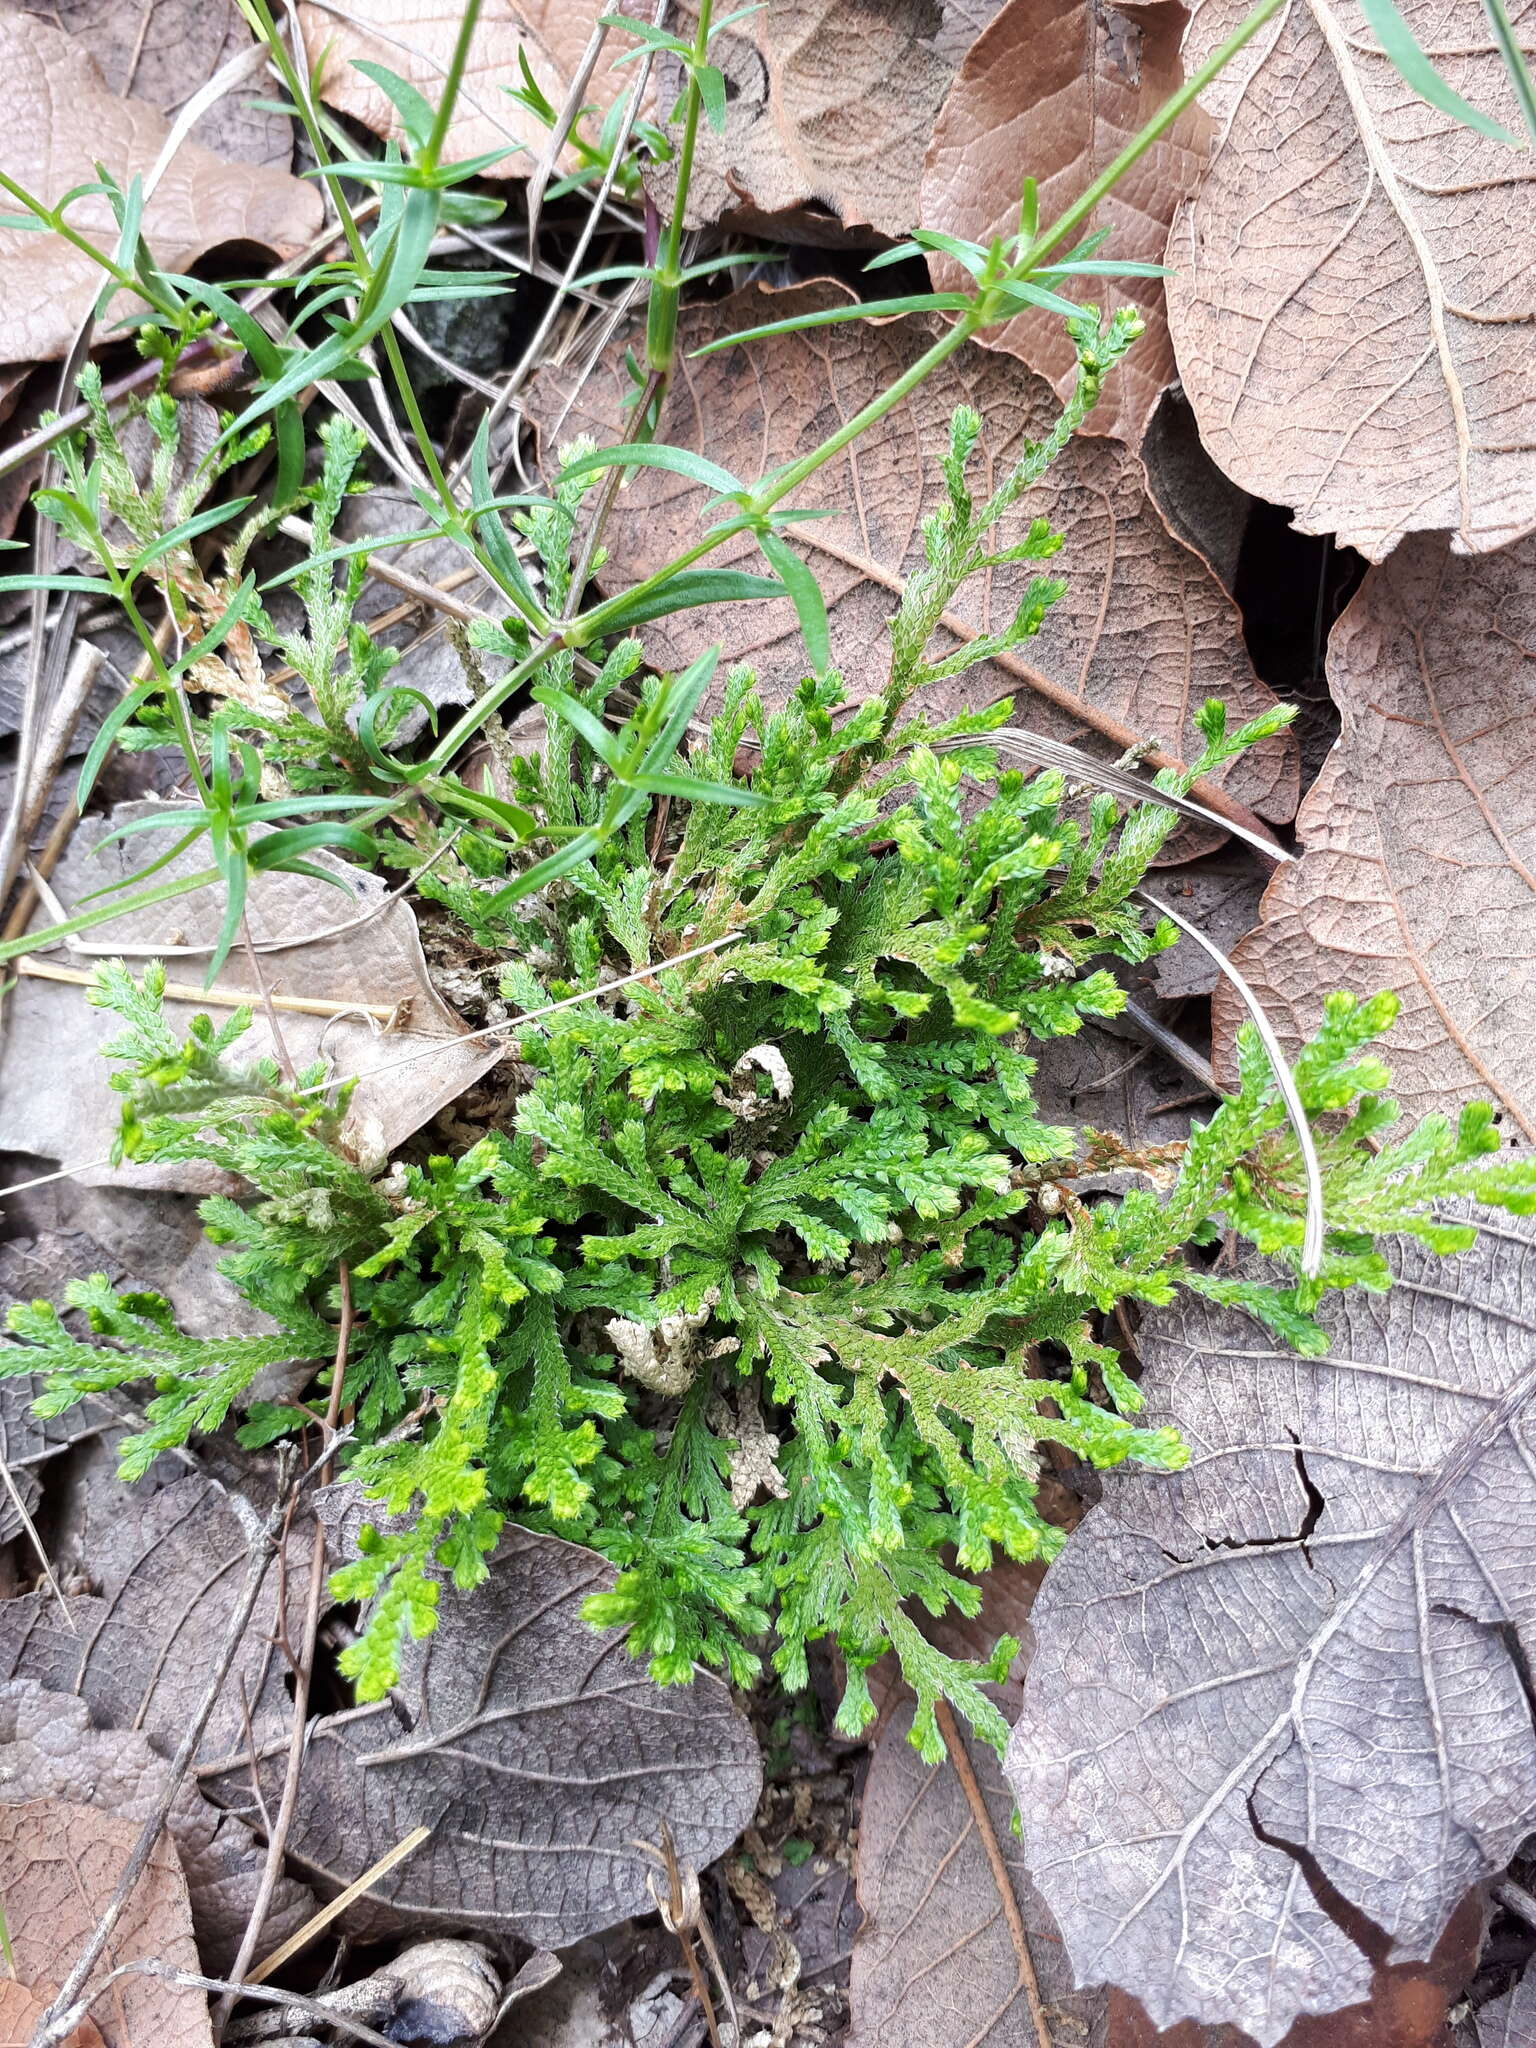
50, 1748
163, 52
1276, 1722
1053, 90
832, 104
30, 1270
1143, 636
1508, 2021
539, 1755
1353, 305
61, 120
1420, 867
167, 1566
415, 38
59, 1864
54, 1097
936, 1964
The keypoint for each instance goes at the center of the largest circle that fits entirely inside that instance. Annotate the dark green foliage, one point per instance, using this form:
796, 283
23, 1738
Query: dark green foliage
777, 1282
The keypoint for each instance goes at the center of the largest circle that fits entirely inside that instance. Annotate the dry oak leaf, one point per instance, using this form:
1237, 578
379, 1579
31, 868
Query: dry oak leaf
1142, 637
61, 120
1419, 873
1353, 303
415, 38
937, 1963
59, 1864
1055, 89
539, 1755
831, 104
50, 1748
1277, 1701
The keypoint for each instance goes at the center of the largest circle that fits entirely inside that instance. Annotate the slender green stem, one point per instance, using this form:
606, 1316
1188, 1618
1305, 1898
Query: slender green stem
1167, 114
1514, 60
53, 219
981, 314
144, 899
465, 728
667, 284
451, 84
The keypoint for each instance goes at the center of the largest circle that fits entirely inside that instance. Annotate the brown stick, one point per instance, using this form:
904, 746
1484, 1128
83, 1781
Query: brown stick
1028, 1982
59, 2021
303, 1673
216, 998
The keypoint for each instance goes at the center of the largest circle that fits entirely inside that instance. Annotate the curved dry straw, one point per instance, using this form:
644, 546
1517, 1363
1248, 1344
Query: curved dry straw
1041, 752
1312, 1236
1048, 753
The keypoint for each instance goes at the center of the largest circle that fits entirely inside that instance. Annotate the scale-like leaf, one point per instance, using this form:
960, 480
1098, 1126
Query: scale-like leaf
1294, 1674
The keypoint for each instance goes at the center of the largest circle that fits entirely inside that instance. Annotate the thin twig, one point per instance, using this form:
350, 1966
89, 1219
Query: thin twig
191, 1980
1028, 1982
318, 1922
60, 2021
217, 997
303, 1671
36, 1541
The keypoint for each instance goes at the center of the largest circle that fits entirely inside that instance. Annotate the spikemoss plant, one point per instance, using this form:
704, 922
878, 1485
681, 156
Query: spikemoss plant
777, 1280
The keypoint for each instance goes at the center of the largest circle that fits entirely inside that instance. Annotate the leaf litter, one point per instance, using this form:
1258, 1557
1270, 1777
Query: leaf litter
825, 107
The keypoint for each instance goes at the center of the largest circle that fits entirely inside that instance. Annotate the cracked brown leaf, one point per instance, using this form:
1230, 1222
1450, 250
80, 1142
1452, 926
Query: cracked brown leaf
1305, 1653
1055, 89
1353, 303
540, 1754
935, 1965
59, 1864
832, 104
1143, 636
61, 120
168, 1568
415, 38
1420, 867
50, 1748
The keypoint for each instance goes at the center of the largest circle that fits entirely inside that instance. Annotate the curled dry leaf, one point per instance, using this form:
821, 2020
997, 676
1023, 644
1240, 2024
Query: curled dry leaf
831, 106
1143, 636
1355, 323
50, 1748
1420, 867
937, 1963
539, 1754
54, 1097
1277, 1705
59, 1864
62, 120
415, 38
1053, 90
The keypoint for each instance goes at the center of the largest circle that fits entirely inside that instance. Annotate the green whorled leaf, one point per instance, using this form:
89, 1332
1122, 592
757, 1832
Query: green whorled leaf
1314, 1636
540, 1755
